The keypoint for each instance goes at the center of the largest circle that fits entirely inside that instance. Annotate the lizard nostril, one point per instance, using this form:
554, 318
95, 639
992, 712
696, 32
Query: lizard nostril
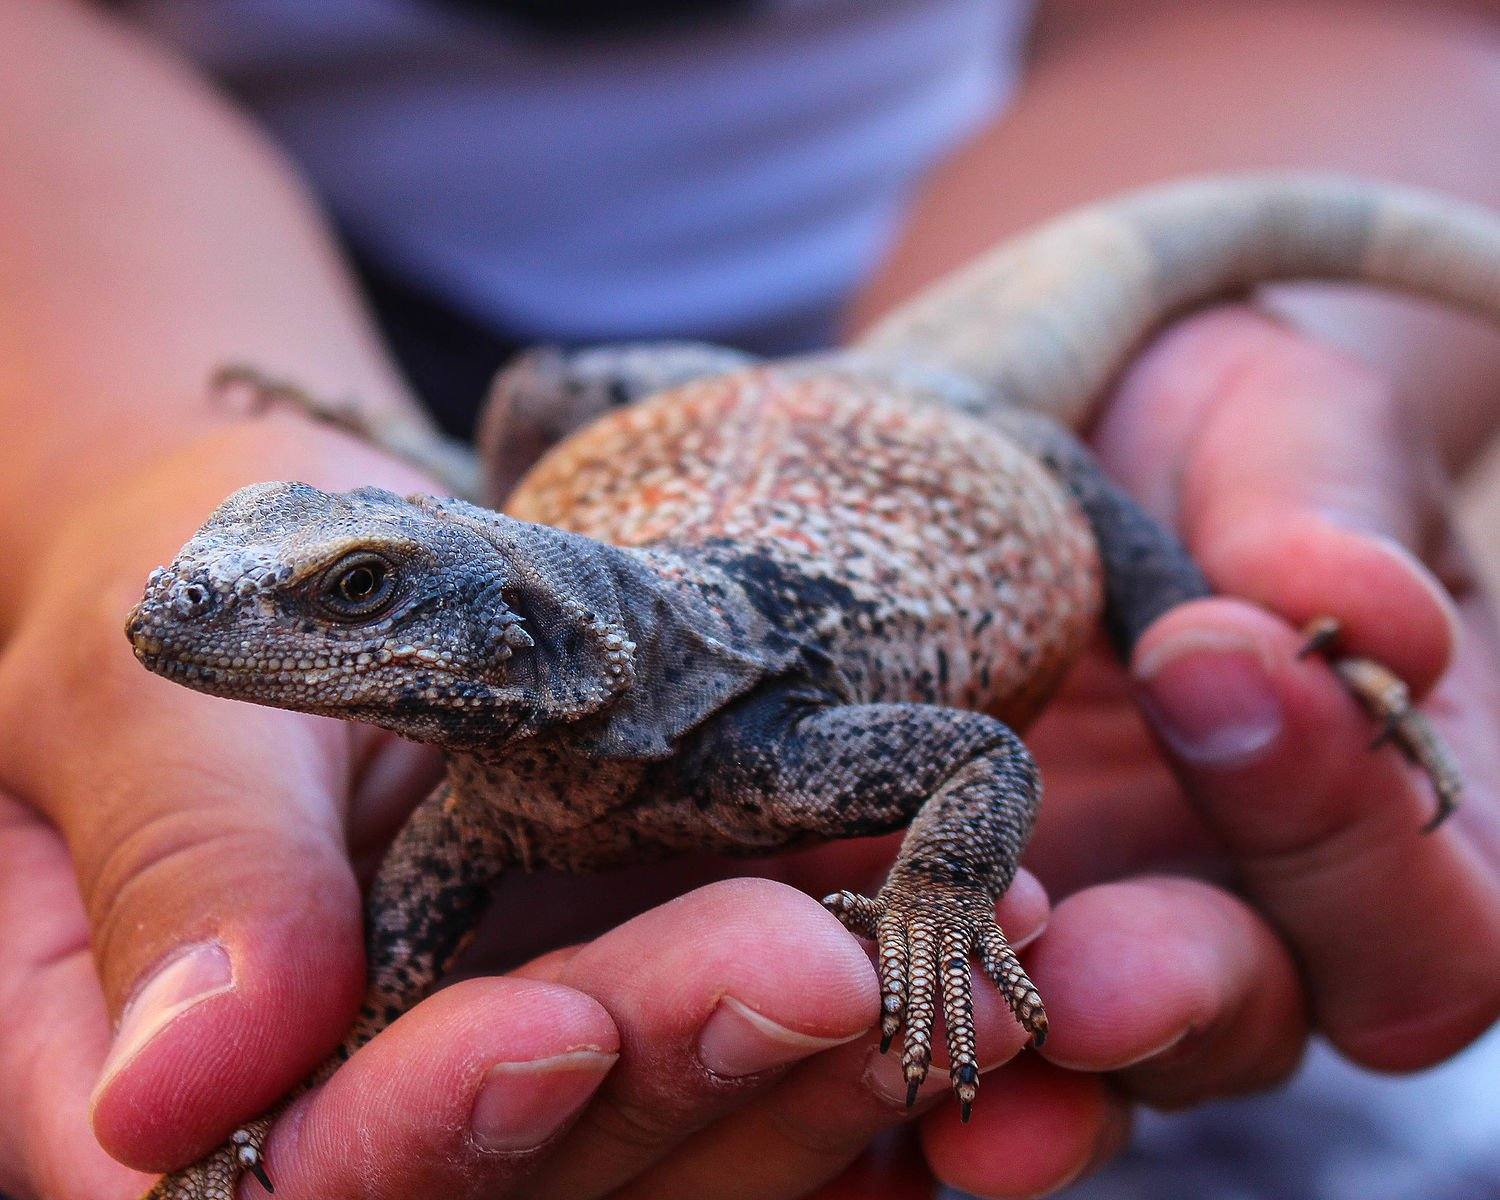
191, 600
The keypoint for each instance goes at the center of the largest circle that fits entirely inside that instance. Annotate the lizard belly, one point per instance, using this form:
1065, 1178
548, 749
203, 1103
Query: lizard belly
933, 558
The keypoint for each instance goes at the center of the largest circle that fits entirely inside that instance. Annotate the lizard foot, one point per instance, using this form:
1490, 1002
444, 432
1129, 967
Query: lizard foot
216, 1177
924, 935
404, 436
1386, 698
265, 391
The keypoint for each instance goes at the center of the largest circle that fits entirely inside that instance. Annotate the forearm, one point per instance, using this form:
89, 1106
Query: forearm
1122, 94
147, 235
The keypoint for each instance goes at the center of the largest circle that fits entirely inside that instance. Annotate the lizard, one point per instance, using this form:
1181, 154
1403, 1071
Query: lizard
742, 605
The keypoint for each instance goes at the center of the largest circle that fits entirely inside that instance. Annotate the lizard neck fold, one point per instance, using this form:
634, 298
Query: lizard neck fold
633, 647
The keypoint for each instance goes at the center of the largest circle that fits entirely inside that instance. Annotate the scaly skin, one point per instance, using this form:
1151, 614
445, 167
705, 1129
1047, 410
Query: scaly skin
772, 603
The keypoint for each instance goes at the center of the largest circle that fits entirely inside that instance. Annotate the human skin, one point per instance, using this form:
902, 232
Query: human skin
140, 820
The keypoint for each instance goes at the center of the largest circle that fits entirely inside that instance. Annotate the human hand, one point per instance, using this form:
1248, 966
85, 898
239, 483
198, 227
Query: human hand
188, 825
1303, 486
1300, 485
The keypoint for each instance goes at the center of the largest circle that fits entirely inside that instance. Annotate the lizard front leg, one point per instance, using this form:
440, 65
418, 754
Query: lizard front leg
937, 908
778, 768
427, 897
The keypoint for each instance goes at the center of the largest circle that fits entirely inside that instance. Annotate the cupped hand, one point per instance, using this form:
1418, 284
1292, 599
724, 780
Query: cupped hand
1216, 811
1304, 487
209, 840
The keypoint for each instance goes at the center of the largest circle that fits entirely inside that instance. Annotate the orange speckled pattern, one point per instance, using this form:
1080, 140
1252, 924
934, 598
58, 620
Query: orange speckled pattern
981, 573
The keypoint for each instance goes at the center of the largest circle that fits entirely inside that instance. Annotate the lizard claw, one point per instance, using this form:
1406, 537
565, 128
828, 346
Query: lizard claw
1320, 633
247, 1153
924, 939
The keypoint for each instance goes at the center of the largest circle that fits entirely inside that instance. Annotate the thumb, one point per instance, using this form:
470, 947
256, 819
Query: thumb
224, 915
208, 837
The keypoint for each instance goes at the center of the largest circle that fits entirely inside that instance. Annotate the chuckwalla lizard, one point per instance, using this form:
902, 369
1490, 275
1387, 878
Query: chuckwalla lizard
771, 602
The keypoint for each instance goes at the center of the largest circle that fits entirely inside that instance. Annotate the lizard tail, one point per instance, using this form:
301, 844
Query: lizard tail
1048, 319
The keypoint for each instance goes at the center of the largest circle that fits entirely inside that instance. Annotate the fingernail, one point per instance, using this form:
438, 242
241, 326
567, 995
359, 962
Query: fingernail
884, 1076
522, 1104
1210, 698
191, 977
736, 1041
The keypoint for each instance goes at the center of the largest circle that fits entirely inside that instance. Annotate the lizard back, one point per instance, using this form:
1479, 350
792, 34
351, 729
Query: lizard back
933, 558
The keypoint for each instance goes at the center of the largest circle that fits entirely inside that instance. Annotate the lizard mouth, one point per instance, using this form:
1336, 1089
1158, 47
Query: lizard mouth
202, 674
194, 675
224, 669
158, 652
327, 681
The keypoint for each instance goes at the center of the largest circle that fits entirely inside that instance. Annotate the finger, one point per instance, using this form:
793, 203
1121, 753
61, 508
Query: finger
1174, 990
208, 838
226, 923
715, 995
747, 978
190, 828
1397, 931
1178, 988
1045, 1128
1295, 479
821, 1116
1174, 987
55, 1032
460, 1097
891, 1168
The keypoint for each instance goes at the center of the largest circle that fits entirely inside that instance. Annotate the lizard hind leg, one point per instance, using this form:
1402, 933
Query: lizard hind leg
548, 392
402, 433
1387, 699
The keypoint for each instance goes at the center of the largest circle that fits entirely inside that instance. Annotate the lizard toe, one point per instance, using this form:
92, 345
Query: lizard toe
217, 1176
1005, 971
1387, 699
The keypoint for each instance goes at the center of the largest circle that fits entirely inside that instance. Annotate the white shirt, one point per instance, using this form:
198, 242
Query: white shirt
731, 180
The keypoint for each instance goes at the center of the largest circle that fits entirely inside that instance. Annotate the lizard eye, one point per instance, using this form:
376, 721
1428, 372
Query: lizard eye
358, 585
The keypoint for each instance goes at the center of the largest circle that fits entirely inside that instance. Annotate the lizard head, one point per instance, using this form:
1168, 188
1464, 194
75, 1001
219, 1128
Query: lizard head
398, 612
